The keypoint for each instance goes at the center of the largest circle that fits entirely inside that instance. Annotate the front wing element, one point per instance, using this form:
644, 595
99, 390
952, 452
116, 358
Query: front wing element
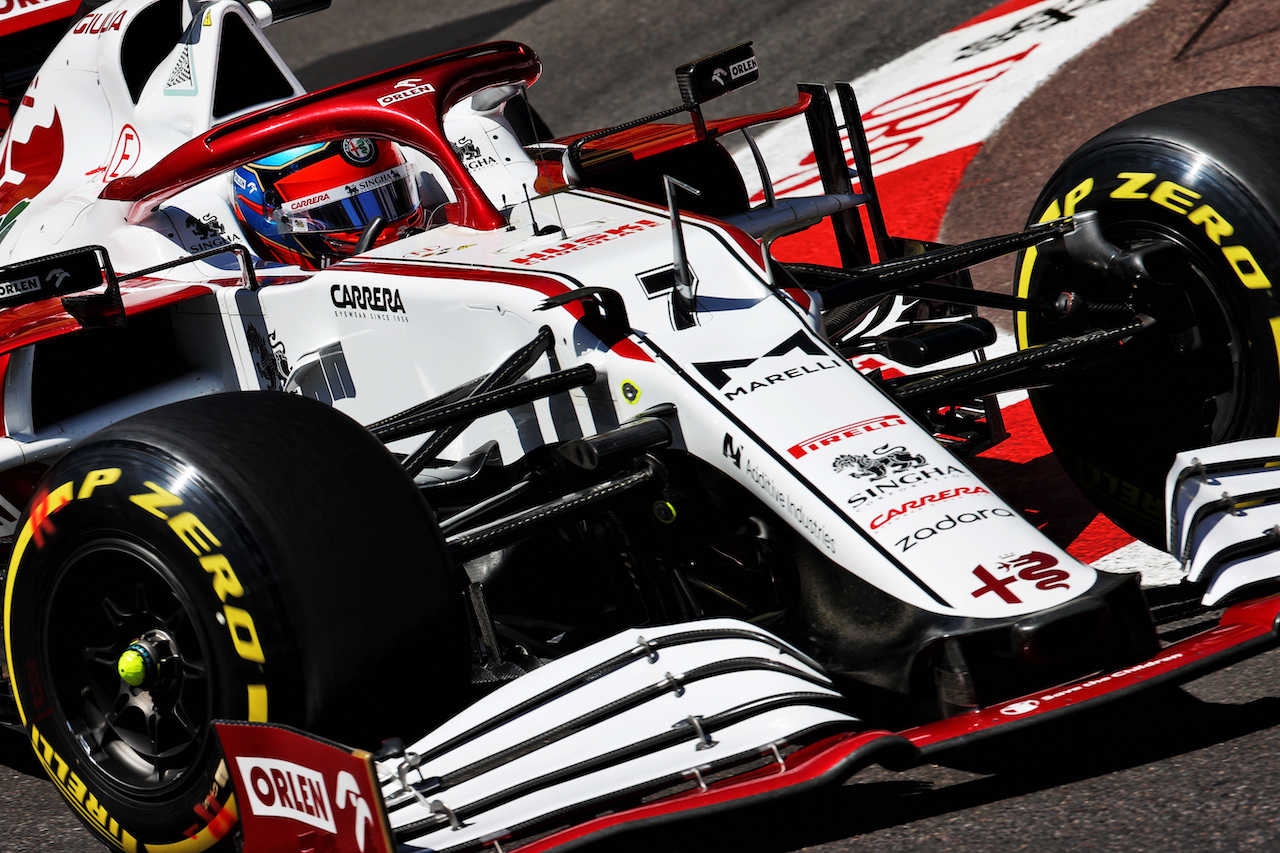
1224, 515
645, 727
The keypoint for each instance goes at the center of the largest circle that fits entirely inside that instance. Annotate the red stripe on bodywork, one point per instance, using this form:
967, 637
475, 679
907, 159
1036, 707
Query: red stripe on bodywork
1252, 620
625, 347
28, 324
807, 765
43, 15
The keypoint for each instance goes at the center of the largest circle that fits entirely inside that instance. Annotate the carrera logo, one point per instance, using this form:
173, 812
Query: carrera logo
585, 242
410, 88
809, 445
279, 788
303, 203
381, 299
919, 503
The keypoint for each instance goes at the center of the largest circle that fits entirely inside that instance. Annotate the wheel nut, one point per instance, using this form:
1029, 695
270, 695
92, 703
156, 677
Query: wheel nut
136, 665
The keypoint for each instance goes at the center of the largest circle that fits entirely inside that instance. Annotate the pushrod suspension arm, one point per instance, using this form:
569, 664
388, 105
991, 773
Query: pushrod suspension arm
466, 411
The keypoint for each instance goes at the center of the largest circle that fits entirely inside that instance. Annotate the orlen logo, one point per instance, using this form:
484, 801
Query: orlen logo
410, 88
746, 66
283, 789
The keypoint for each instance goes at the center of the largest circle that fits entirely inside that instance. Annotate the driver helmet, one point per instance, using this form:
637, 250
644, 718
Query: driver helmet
309, 205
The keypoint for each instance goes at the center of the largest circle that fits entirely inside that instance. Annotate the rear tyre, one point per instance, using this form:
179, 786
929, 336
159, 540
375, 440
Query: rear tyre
246, 556
1197, 179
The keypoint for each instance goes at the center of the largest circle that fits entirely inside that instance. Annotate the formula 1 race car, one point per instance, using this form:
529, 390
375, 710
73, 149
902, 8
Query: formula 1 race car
380, 475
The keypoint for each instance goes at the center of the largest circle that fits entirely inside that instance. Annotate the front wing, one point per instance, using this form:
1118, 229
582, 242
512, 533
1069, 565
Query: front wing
642, 728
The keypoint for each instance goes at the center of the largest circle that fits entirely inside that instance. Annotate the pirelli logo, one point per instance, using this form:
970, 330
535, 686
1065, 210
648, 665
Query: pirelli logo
818, 442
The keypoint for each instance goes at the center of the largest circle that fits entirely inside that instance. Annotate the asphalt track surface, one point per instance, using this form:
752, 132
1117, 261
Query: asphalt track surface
1180, 770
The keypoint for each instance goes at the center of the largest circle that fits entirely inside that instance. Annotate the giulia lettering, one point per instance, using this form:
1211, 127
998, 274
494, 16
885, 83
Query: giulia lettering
91, 24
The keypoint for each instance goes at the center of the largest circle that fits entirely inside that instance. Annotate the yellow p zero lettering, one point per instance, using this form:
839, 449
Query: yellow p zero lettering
1250, 274
193, 533
1176, 198
1053, 211
1075, 196
59, 498
257, 702
158, 499
101, 477
1133, 181
1215, 227
244, 634
225, 581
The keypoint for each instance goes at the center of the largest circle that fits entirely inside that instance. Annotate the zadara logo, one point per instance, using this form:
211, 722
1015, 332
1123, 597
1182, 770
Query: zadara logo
279, 788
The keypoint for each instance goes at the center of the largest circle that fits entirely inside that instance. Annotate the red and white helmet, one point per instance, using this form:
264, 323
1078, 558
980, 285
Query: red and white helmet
310, 205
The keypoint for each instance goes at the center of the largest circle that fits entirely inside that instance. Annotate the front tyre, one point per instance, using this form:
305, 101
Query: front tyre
250, 556
1195, 185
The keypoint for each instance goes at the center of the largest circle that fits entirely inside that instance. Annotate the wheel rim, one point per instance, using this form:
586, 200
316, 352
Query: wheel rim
1211, 375
141, 739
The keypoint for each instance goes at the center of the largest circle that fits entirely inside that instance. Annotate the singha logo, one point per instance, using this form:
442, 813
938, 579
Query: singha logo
883, 461
268, 357
466, 149
207, 228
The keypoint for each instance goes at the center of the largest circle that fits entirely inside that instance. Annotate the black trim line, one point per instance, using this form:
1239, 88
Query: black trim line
820, 495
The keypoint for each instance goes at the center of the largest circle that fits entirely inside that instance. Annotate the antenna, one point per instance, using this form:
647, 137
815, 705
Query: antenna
537, 232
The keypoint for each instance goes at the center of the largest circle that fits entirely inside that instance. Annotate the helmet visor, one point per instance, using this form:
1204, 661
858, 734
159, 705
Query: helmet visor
390, 194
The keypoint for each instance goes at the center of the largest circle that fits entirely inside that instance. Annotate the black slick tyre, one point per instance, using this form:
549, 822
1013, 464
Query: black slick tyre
1196, 185
245, 556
